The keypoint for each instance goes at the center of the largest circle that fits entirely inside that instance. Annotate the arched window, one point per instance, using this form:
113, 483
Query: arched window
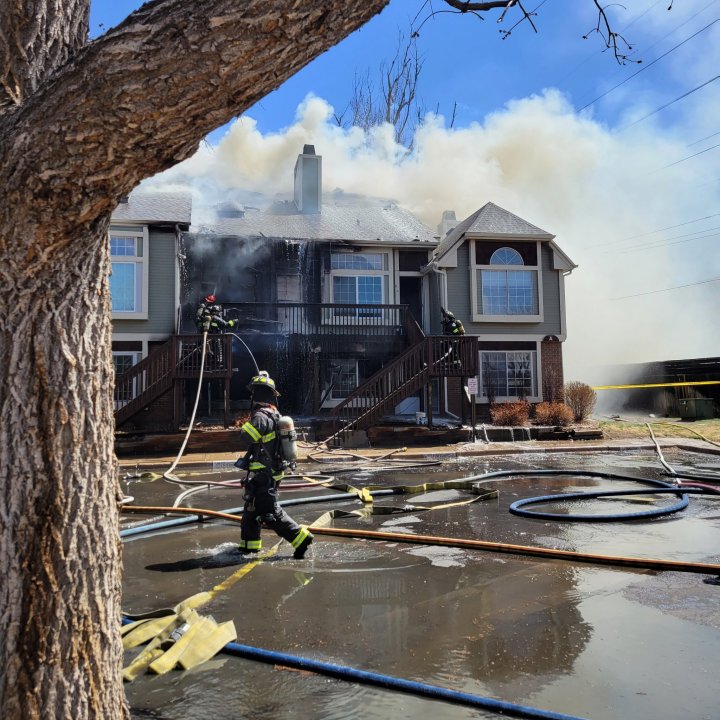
506, 256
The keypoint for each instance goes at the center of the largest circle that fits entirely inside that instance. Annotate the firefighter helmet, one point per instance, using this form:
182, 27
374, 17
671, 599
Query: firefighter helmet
210, 299
262, 380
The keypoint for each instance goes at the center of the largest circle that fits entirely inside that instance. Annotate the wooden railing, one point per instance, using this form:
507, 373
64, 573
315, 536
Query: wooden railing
179, 357
406, 374
317, 319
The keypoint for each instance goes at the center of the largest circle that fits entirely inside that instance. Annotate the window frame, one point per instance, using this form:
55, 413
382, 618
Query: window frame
476, 270
535, 380
332, 400
384, 274
141, 265
137, 356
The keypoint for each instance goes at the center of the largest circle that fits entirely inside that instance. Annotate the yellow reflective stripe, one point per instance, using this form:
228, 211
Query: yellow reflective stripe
267, 438
257, 466
304, 532
252, 544
251, 430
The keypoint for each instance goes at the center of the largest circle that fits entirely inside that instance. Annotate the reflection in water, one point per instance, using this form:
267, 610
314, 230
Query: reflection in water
536, 632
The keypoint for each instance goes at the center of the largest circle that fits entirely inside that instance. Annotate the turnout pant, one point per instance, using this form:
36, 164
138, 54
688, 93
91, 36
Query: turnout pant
261, 506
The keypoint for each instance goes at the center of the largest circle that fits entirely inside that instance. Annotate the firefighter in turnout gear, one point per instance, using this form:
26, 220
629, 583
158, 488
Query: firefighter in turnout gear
271, 449
450, 324
208, 317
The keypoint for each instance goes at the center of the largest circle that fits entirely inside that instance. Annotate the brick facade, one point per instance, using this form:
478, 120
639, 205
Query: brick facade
552, 369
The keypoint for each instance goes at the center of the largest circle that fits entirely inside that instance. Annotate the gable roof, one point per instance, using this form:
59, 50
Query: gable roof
155, 207
491, 222
342, 217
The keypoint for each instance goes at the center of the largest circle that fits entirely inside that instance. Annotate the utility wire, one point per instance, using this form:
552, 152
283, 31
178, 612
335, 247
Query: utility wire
672, 102
669, 227
689, 157
671, 241
702, 139
676, 287
645, 67
675, 29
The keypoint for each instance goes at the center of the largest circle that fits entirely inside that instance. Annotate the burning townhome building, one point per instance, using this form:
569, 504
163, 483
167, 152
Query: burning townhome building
339, 296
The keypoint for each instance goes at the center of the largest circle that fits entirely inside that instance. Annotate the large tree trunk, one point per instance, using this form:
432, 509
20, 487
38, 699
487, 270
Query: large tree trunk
75, 135
59, 552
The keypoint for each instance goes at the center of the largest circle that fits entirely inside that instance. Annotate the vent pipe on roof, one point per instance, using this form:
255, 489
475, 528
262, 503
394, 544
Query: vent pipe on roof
308, 181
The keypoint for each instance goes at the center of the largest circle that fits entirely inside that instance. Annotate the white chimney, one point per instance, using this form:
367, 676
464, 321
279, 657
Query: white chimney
308, 181
448, 223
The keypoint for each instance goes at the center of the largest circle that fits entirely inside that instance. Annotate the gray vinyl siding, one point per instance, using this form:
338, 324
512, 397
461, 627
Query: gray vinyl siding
459, 299
161, 289
458, 289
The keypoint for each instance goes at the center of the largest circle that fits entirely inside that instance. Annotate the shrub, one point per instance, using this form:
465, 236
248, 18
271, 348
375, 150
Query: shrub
581, 399
516, 413
553, 413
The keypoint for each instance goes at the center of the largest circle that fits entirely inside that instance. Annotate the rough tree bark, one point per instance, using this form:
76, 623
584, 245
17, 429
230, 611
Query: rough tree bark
80, 125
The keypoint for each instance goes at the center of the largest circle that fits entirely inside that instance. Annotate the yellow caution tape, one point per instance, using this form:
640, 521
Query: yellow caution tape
653, 385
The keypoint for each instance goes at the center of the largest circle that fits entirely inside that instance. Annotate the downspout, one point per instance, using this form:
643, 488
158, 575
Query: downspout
179, 257
442, 294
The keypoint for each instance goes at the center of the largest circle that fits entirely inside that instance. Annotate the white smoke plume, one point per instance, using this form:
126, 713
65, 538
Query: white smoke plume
602, 192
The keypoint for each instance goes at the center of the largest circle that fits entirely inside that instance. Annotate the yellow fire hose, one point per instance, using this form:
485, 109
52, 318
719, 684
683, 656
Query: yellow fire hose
551, 553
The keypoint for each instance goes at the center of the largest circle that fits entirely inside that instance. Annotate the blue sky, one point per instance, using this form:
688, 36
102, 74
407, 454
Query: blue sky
466, 61
609, 158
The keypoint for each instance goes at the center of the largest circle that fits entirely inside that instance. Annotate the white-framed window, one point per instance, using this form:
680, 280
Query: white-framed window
123, 360
129, 274
360, 278
345, 376
508, 374
506, 288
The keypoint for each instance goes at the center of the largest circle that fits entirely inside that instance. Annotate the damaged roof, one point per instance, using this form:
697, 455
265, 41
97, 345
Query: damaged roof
491, 222
155, 207
342, 217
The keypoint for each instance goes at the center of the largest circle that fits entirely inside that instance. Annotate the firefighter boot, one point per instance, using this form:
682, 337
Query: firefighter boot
301, 544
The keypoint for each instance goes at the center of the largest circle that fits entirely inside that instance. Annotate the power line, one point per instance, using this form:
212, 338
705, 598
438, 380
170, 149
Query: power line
667, 243
599, 97
689, 157
701, 139
675, 29
676, 287
669, 227
672, 102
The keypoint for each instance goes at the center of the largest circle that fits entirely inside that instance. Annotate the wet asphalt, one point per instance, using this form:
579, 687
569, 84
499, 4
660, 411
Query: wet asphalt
566, 637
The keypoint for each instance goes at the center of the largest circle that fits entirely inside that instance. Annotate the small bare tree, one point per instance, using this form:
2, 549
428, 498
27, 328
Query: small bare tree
390, 96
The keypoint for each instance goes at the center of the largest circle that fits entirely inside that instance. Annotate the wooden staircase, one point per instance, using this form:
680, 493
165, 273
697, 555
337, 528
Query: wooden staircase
431, 357
178, 359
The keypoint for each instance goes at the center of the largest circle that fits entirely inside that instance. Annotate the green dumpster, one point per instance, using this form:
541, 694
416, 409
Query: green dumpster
696, 408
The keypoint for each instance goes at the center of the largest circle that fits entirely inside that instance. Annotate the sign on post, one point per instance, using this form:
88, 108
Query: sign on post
472, 385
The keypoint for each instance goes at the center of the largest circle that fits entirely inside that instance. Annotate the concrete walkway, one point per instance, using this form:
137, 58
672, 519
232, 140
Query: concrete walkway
317, 456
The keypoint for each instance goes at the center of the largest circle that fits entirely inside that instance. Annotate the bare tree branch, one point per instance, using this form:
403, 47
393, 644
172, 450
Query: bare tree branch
394, 100
611, 38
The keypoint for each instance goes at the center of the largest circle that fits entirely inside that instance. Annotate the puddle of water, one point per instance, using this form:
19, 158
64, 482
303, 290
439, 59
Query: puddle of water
591, 641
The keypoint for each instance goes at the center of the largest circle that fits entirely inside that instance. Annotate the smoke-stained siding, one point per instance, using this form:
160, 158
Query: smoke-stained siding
161, 289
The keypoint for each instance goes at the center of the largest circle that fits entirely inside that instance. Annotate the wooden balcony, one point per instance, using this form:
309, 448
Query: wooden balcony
334, 322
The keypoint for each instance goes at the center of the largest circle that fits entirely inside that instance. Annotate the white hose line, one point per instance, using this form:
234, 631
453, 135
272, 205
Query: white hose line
659, 452
166, 474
